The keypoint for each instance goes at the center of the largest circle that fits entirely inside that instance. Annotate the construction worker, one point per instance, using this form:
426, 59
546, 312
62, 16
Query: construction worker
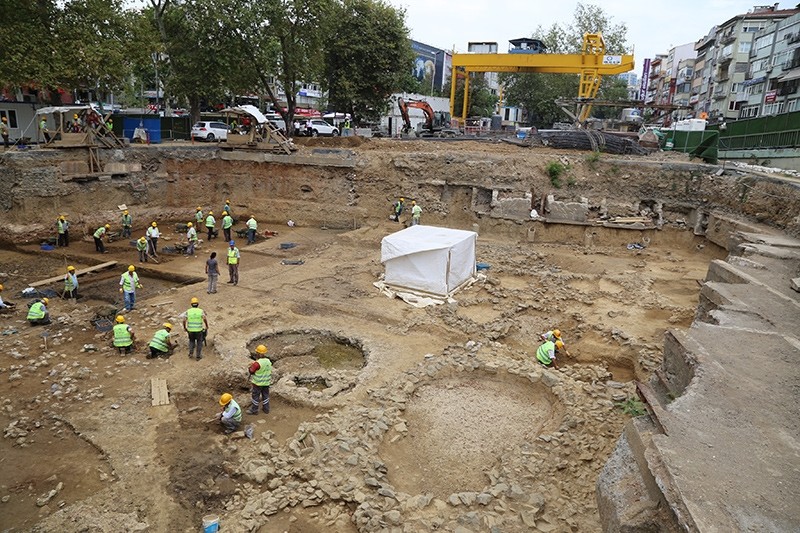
98, 238
70, 283
152, 236
231, 415
212, 271
127, 221
227, 223
76, 124
416, 212
199, 216
252, 226
160, 344
44, 130
399, 206
37, 313
110, 124
233, 263
546, 354
141, 247
123, 336
552, 335
260, 379
128, 283
228, 208
63, 231
5, 306
196, 325
5, 132
210, 223
191, 238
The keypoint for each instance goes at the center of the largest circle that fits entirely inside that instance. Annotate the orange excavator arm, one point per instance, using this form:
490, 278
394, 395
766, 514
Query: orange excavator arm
417, 104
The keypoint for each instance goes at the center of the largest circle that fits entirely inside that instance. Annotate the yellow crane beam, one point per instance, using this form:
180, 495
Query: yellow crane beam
591, 64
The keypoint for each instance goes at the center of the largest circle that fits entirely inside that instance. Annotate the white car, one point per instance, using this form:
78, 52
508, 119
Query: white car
210, 131
319, 127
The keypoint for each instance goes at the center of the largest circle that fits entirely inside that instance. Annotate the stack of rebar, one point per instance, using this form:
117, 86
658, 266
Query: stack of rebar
596, 141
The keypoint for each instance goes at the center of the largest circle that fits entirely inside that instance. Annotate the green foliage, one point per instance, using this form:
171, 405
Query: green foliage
632, 406
482, 102
592, 160
571, 181
555, 170
367, 57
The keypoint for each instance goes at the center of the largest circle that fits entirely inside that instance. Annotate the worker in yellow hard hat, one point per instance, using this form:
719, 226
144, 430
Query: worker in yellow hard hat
5, 306
227, 208
98, 238
70, 283
252, 227
211, 223
196, 325
231, 415
160, 345
141, 247
227, 224
153, 234
260, 379
62, 225
552, 335
128, 283
199, 217
38, 314
191, 238
127, 222
123, 336
399, 206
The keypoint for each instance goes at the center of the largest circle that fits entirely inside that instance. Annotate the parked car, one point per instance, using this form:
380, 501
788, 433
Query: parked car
319, 127
210, 131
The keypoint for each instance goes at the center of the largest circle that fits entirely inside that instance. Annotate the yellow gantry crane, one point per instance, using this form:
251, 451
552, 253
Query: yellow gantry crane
592, 63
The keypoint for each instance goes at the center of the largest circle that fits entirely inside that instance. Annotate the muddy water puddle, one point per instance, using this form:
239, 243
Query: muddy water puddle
300, 352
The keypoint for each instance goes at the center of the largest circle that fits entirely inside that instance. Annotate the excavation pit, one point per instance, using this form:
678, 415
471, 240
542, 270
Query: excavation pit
459, 427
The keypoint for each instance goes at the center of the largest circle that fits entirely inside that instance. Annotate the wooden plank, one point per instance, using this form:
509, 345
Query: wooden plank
81, 272
629, 220
159, 392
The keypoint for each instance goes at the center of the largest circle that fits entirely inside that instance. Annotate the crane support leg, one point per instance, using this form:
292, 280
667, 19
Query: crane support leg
466, 97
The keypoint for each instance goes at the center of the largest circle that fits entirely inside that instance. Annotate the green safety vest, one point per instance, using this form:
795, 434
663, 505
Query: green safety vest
191, 234
69, 283
262, 377
252, 224
543, 353
122, 336
37, 311
126, 220
199, 216
416, 211
128, 284
237, 411
62, 226
141, 245
194, 319
233, 256
210, 221
159, 341
99, 233
227, 222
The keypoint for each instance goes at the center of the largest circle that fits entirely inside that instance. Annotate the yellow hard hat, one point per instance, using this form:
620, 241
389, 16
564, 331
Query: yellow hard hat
195, 301
131, 268
142, 238
402, 199
261, 349
125, 212
227, 201
75, 115
120, 319
225, 399
108, 226
188, 224
167, 325
45, 301
154, 224
413, 202
70, 268
559, 345
1, 286
211, 212
557, 333
62, 217
199, 208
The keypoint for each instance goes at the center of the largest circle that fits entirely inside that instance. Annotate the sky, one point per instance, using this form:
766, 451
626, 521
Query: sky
653, 27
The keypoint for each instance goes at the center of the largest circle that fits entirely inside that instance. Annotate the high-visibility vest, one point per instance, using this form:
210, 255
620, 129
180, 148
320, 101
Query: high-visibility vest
194, 319
199, 216
70, 282
416, 211
237, 411
62, 226
543, 353
227, 222
210, 221
128, 282
252, 224
153, 233
126, 220
100, 232
233, 256
122, 336
263, 376
191, 235
141, 245
37, 311
159, 341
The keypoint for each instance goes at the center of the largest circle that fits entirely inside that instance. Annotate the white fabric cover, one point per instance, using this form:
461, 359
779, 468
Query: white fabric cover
247, 109
429, 258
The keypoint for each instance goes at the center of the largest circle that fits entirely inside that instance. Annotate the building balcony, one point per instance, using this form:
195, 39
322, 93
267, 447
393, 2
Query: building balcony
720, 95
727, 58
727, 38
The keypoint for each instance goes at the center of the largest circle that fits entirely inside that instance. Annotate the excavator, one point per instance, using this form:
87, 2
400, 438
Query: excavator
435, 121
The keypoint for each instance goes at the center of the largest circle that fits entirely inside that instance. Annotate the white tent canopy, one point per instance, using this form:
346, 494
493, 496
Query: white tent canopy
247, 109
429, 259
63, 109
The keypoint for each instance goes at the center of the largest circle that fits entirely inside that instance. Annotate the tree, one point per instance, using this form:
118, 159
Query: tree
536, 93
367, 57
28, 52
482, 102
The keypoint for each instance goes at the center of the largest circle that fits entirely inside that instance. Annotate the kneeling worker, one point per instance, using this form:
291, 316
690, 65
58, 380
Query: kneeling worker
160, 344
37, 314
231, 415
123, 336
546, 354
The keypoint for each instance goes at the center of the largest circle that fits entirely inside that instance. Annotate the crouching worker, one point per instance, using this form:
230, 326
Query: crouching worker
260, 379
37, 313
231, 415
123, 336
546, 354
161, 345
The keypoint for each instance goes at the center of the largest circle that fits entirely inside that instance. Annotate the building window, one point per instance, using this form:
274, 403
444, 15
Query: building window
749, 111
11, 116
744, 47
792, 105
734, 106
751, 29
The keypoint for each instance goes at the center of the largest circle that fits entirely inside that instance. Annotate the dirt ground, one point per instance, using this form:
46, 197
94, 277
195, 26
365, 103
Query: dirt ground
383, 416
